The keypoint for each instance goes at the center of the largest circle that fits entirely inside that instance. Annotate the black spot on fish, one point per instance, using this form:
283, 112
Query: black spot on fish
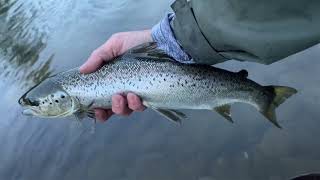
52, 95
56, 101
62, 96
164, 79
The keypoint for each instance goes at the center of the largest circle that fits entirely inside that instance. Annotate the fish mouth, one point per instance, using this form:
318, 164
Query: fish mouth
30, 111
23, 101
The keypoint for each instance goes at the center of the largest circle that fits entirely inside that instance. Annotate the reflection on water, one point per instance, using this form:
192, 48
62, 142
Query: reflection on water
21, 42
38, 38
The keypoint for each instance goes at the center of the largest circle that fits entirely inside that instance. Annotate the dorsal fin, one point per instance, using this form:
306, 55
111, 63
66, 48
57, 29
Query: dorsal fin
148, 50
243, 73
143, 48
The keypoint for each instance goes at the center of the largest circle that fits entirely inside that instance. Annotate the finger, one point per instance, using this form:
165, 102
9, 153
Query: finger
119, 105
135, 103
94, 62
103, 114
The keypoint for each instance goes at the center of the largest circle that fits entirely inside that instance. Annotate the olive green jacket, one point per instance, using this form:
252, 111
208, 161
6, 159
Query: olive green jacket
263, 31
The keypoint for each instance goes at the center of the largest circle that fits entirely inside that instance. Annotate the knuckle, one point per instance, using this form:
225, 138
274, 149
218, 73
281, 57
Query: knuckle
134, 102
116, 36
116, 110
95, 54
134, 105
116, 99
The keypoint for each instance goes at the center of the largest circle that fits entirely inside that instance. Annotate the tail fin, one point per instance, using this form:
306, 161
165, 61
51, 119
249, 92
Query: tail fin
281, 93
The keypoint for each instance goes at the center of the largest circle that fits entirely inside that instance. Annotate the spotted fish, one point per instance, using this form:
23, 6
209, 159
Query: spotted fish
162, 83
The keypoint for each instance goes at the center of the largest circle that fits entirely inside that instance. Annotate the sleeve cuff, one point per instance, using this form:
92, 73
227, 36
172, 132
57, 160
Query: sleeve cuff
163, 35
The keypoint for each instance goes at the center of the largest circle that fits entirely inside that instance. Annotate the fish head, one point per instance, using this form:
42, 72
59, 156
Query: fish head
48, 99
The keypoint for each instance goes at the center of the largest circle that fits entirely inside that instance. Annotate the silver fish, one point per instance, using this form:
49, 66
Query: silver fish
163, 85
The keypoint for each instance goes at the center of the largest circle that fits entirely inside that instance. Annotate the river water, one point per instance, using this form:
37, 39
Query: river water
42, 37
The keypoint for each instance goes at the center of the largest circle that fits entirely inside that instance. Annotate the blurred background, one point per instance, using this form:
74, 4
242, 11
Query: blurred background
39, 38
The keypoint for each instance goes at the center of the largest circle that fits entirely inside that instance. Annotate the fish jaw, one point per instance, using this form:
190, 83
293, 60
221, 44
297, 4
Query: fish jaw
28, 112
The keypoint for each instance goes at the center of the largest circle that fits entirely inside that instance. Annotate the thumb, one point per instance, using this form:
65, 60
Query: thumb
106, 52
94, 62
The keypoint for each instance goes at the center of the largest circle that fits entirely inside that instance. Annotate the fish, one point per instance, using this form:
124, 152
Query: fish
163, 84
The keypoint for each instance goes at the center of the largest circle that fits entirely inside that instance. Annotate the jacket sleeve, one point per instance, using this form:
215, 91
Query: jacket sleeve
163, 35
214, 31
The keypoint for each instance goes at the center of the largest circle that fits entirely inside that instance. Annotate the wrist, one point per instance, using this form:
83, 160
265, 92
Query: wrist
163, 35
147, 35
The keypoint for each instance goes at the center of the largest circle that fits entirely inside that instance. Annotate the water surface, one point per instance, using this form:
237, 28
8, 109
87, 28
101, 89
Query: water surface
40, 38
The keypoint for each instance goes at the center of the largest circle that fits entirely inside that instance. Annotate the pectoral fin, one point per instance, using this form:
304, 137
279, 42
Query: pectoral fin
85, 111
80, 115
83, 114
224, 111
172, 115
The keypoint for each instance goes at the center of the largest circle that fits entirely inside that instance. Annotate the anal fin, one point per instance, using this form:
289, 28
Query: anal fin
172, 115
225, 112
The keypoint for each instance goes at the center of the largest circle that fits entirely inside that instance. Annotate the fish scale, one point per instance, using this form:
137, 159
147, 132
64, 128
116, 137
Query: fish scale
175, 90
166, 86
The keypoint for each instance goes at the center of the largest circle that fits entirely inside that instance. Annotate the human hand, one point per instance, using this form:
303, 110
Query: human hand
117, 44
